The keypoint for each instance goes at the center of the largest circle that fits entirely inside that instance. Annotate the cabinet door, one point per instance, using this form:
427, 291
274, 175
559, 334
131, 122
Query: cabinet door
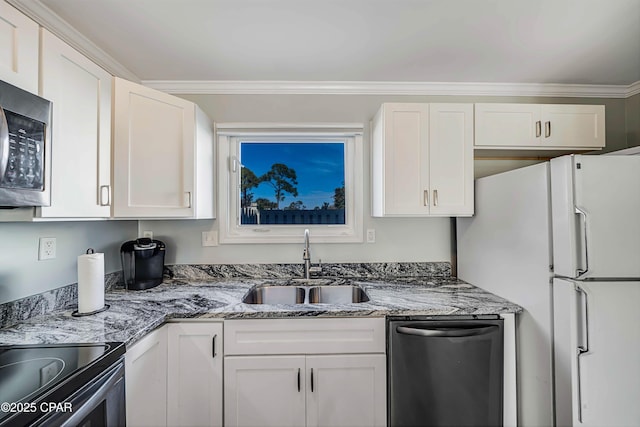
264, 391
81, 159
573, 126
507, 125
451, 159
404, 160
348, 390
194, 384
18, 49
154, 140
146, 380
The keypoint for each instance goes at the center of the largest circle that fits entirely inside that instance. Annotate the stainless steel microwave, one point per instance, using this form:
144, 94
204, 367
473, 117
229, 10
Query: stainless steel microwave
25, 148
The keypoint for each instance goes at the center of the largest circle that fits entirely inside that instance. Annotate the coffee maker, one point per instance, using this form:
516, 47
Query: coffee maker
142, 263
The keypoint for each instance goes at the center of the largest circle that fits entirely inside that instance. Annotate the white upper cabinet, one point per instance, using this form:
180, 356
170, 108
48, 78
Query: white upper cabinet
81, 135
422, 160
451, 159
162, 154
539, 126
18, 49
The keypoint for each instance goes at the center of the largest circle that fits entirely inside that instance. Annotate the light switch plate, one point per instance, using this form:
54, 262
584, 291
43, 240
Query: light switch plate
210, 238
371, 235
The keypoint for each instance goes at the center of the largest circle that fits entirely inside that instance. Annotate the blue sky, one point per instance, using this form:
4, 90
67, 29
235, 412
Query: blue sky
319, 167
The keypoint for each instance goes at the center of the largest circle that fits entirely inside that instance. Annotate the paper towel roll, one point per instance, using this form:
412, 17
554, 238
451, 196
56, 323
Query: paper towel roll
90, 282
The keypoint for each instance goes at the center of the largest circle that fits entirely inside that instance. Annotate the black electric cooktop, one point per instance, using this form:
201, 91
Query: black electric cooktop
33, 373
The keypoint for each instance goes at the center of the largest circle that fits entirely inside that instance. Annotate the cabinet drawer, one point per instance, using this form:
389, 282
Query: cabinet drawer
300, 336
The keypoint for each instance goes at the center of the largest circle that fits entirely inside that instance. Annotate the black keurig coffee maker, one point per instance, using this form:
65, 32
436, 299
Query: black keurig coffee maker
142, 263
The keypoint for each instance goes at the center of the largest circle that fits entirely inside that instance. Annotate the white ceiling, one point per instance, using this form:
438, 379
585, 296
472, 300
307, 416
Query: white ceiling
509, 41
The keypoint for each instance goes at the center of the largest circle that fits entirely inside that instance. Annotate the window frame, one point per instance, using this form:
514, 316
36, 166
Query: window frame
228, 139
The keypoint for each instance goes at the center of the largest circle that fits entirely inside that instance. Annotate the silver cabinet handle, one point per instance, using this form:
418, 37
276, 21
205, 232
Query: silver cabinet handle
446, 332
425, 198
213, 346
583, 346
311, 380
435, 197
547, 129
298, 380
538, 129
105, 194
188, 194
580, 272
4, 143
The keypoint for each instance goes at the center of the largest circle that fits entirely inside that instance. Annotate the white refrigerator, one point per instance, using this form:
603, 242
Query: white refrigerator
562, 239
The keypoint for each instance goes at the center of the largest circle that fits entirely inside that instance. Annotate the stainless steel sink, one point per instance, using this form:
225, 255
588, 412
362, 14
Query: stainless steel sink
275, 295
296, 294
342, 294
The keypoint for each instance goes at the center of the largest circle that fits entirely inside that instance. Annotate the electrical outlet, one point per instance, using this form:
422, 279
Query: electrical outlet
210, 238
47, 248
148, 234
371, 235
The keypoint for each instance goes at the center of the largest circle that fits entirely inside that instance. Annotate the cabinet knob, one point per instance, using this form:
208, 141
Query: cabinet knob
426, 198
538, 129
547, 129
435, 197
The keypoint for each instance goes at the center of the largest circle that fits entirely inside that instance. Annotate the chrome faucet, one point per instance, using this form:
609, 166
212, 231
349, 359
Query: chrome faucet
306, 255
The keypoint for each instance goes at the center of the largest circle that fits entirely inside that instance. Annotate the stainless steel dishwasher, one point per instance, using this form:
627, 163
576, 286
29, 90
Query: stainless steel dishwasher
445, 372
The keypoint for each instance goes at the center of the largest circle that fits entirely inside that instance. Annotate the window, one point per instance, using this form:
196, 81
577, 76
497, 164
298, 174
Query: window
277, 180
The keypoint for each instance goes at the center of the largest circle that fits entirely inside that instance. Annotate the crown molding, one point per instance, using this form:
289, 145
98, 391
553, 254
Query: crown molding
634, 89
49, 20
230, 87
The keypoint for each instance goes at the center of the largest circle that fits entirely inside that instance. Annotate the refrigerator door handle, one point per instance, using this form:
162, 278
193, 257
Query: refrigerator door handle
580, 272
583, 344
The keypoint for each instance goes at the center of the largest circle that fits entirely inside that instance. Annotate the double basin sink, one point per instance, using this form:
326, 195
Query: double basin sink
309, 294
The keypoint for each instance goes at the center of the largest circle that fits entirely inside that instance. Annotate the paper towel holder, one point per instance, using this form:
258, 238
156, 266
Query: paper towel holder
76, 313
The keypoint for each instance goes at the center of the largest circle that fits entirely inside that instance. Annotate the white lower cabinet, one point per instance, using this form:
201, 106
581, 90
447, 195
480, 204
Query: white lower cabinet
194, 383
348, 390
174, 376
338, 386
146, 380
263, 391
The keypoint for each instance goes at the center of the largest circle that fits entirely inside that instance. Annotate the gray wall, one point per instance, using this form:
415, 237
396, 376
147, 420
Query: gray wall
21, 274
422, 239
633, 120
397, 239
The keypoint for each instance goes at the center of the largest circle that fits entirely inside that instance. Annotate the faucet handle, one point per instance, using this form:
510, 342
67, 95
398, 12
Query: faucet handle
315, 270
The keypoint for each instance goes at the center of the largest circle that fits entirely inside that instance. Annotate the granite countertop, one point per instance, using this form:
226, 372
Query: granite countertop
132, 314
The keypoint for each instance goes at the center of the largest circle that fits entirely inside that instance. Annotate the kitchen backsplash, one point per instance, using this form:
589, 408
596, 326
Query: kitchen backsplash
273, 271
66, 297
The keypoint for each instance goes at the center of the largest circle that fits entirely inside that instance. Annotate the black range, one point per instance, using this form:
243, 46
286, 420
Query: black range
62, 384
